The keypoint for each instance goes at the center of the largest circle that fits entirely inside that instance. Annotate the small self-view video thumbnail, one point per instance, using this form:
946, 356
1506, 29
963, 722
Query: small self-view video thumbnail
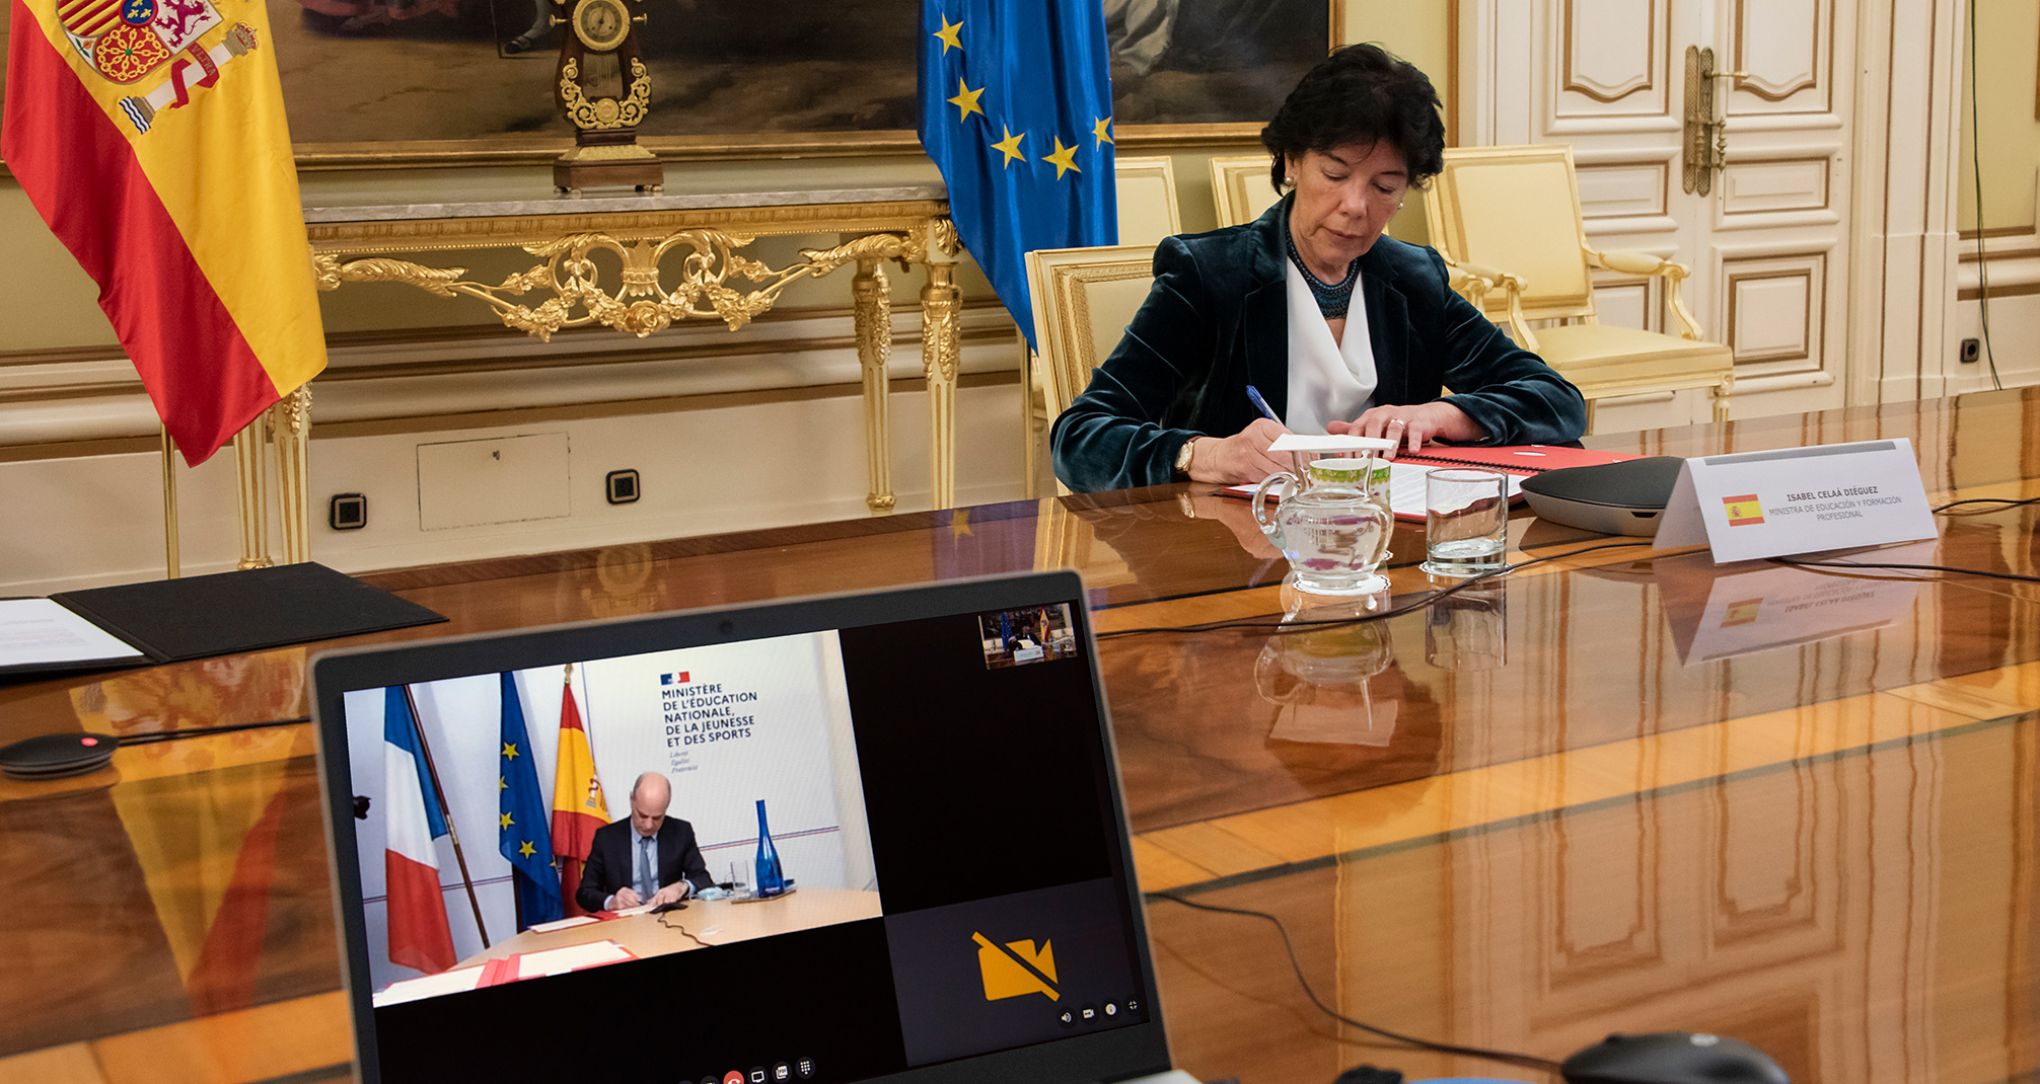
1029, 635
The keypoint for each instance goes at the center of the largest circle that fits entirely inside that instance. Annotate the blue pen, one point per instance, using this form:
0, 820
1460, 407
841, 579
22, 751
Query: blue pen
1261, 405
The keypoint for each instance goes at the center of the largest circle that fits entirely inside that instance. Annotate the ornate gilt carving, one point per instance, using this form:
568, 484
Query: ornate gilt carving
329, 273
605, 114
872, 295
295, 410
941, 353
708, 263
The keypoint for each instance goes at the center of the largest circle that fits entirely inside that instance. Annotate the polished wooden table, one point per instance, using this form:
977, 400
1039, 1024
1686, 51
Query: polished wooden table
1621, 790
701, 924
698, 925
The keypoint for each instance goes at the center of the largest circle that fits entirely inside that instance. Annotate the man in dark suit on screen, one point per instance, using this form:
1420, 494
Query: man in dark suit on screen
647, 857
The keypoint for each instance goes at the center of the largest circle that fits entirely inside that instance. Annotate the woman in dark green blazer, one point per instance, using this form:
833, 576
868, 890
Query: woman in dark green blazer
1250, 305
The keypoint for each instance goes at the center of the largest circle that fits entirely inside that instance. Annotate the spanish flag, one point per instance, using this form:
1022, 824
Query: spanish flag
578, 807
150, 135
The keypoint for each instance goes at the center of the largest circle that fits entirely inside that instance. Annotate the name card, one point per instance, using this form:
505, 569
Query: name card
1753, 505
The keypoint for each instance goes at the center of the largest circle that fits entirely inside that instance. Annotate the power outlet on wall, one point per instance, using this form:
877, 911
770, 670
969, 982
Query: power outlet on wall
347, 512
1972, 351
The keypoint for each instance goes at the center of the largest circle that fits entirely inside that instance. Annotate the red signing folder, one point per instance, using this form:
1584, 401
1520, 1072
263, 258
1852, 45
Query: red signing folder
1518, 459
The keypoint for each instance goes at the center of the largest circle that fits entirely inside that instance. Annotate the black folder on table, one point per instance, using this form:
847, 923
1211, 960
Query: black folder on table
228, 612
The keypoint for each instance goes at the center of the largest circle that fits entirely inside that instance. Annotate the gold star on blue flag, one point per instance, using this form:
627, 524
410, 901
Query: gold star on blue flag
523, 815
1036, 74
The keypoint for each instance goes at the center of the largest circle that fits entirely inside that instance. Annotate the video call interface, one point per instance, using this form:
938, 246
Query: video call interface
938, 804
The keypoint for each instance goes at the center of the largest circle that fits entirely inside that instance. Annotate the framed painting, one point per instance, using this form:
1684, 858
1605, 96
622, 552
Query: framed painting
392, 82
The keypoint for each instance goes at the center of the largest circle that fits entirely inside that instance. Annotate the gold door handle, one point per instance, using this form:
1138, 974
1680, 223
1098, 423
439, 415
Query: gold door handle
1706, 138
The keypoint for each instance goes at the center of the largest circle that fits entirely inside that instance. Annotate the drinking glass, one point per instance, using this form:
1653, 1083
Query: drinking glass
1466, 522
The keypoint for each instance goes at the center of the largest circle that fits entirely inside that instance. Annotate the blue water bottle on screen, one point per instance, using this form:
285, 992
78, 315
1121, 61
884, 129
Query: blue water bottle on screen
771, 882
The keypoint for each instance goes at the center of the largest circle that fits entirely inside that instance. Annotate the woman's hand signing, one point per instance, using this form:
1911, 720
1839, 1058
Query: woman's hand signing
1242, 457
1412, 427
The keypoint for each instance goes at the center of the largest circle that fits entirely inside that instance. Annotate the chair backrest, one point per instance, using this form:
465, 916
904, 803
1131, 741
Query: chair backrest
1083, 300
1147, 200
1241, 187
1515, 209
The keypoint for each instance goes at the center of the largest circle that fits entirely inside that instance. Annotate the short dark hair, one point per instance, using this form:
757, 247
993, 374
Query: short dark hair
1361, 94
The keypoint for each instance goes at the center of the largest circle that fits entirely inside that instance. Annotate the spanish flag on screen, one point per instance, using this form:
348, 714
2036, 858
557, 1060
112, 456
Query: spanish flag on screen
578, 805
150, 135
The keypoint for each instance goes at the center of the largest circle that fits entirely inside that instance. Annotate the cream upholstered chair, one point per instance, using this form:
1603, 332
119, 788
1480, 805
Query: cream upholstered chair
1146, 192
1083, 300
1241, 187
1507, 220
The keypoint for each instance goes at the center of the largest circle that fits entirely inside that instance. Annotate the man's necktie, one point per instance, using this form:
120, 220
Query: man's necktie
648, 881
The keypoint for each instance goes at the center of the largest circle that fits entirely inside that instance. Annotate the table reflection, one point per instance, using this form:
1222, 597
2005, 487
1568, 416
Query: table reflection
1322, 681
1469, 629
1721, 612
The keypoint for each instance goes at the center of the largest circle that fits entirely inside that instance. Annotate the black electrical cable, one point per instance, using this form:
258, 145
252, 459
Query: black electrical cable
1999, 504
1397, 611
1506, 1057
2017, 577
153, 737
1976, 175
684, 931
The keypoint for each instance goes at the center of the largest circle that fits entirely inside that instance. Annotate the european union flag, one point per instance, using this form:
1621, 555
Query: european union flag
1016, 108
523, 817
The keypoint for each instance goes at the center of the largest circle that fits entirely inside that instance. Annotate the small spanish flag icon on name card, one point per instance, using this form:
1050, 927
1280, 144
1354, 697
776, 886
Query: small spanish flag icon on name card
1743, 511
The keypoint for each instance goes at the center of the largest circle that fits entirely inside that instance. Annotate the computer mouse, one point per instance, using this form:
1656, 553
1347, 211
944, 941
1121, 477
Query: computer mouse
1672, 1057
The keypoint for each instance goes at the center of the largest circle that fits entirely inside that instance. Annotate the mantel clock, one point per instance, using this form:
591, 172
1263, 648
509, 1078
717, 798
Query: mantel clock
606, 152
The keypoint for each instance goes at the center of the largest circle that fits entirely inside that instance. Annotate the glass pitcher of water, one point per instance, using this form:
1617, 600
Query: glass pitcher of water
1332, 522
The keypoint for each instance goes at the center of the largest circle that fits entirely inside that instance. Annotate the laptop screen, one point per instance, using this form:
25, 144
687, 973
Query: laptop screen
839, 840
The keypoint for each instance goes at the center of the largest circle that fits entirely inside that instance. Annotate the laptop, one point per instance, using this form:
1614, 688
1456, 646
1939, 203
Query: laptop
893, 821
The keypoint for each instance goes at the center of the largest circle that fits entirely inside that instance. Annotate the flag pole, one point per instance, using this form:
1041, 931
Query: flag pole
425, 747
585, 728
172, 563
559, 862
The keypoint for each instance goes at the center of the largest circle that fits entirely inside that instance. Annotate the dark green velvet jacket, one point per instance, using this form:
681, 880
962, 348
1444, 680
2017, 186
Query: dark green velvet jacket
1218, 320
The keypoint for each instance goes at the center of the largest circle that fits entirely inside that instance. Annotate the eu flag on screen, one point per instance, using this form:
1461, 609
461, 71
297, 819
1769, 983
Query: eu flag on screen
523, 819
1016, 109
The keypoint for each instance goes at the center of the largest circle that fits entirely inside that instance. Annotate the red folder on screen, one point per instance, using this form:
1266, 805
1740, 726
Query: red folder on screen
526, 965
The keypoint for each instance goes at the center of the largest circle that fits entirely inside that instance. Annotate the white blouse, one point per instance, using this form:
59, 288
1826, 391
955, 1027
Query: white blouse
1328, 379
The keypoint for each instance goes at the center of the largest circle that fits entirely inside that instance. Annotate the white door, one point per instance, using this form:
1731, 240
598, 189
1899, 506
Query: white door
1767, 242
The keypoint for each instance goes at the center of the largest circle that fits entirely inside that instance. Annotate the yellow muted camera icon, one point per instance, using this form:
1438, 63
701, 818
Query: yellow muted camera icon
1016, 969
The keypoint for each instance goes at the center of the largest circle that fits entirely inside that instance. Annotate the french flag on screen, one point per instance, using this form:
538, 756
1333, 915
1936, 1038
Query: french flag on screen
419, 938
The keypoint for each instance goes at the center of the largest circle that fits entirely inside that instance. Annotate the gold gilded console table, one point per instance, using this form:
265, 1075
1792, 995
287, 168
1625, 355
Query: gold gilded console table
680, 257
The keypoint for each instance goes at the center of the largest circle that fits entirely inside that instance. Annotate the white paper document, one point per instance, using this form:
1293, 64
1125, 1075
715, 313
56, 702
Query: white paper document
1307, 442
1405, 486
456, 981
559, 961
563, 924
39, 632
